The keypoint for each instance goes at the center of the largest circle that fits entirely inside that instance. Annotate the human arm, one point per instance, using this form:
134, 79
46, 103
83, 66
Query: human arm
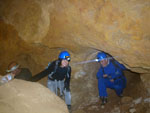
116, 69
67, 79
43, 73
121, 66
7, 78
100, 73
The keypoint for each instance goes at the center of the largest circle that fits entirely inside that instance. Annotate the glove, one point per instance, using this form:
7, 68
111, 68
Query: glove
66, 87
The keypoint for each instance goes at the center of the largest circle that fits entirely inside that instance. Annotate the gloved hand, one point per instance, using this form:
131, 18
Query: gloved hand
66, 87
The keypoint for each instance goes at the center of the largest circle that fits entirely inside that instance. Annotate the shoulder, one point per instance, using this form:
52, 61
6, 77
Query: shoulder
110, 66
111, 62
53, 63
24, 69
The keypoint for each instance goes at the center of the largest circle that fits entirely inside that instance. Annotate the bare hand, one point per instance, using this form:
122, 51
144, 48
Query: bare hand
112, 80
105, 75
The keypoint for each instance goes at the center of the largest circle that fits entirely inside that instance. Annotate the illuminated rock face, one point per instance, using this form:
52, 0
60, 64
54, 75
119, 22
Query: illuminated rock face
19, 96
33, 32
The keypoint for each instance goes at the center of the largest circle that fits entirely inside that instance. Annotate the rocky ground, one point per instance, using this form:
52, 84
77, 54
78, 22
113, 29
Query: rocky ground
18, 93
135, 99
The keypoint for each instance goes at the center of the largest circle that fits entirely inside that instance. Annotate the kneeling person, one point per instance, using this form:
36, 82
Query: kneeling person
110, 75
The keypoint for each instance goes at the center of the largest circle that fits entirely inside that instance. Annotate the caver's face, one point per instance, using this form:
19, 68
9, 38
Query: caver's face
16, 71
104, 62
64, 63
12, 65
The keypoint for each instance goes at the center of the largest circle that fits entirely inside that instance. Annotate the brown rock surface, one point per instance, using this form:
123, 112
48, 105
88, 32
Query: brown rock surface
33, 32
126, 100
19, 96
118, 27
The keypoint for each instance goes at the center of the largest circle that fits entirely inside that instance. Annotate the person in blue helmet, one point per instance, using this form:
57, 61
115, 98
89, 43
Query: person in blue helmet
110, 75
59, 75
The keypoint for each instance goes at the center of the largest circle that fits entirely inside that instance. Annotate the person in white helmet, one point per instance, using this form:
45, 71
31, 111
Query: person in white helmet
19, 73
14, 71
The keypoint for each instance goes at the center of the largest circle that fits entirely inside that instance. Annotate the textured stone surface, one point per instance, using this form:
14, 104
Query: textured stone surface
19, 96
118, 27
33, 32
146, 80
126, 100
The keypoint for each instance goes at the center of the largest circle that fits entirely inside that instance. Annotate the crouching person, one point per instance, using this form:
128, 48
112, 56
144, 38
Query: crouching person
110, 75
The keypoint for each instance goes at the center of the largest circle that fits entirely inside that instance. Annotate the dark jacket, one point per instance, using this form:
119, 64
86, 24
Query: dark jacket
56, 72
25, 74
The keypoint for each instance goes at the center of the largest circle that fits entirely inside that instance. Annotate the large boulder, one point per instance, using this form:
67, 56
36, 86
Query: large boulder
18, 96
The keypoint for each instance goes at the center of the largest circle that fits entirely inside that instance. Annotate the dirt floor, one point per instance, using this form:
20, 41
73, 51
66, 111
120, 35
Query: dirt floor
134, 90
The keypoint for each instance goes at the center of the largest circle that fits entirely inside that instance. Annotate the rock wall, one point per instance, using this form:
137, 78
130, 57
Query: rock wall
33, 32
115, 26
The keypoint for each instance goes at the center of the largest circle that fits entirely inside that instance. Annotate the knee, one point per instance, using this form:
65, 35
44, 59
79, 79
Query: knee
117, 87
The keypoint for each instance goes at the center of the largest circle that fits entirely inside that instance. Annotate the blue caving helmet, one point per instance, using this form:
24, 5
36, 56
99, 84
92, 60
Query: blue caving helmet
101, 56
64, 55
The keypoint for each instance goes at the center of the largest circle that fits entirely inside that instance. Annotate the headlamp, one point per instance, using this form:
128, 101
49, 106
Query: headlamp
68, 58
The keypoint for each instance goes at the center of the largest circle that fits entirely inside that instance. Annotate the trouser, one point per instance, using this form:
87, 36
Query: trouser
55, 85
118, 85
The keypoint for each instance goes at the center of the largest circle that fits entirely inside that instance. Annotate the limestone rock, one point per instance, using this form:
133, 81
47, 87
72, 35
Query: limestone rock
137, 101
116, 110
141, 108
119, 27
18, 96
126, 100
148, 111
146, 80
33, 32
147, 100
132, 110
125, 107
